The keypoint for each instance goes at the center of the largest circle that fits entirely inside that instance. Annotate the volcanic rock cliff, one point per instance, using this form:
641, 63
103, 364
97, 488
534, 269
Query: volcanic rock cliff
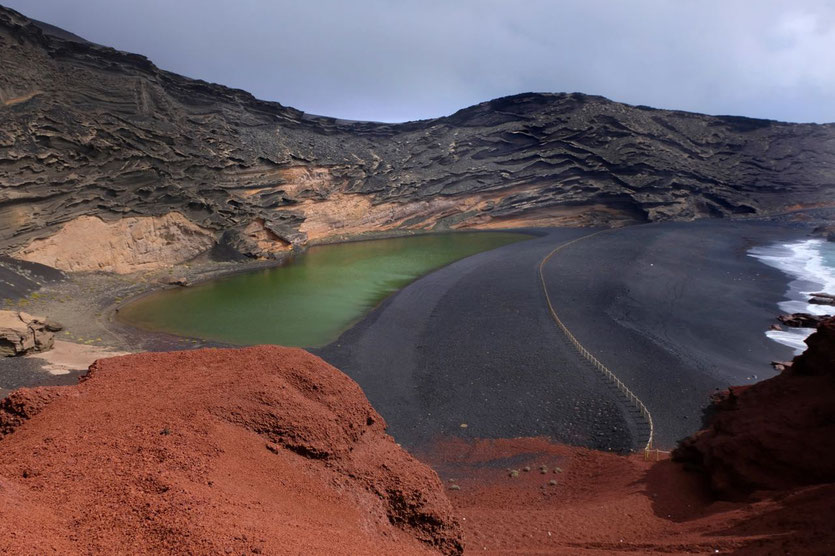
776, 434
90, 132
259, 450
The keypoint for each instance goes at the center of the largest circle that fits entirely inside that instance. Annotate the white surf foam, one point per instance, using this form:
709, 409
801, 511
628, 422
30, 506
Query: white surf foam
808, 264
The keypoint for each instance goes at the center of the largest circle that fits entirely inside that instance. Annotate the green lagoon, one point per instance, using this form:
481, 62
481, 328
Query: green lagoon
310, 301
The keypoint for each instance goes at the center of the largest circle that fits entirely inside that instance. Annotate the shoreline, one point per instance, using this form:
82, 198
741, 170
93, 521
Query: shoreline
88, 303
677, 310
357, 275
674, 333
104, 294
808, 272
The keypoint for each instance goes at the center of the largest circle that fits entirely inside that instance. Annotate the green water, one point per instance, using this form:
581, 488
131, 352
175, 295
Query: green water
310, 301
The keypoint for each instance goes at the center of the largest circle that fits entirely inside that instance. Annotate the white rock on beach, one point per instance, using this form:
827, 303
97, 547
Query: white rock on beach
21, 333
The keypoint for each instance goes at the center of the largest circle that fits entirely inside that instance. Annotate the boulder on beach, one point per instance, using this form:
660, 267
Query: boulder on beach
181, 281
802, 320
22, 333
822, 299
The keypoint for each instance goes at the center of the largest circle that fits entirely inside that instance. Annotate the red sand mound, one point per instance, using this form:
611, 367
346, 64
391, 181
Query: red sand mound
604, 503
261, 450
775, 434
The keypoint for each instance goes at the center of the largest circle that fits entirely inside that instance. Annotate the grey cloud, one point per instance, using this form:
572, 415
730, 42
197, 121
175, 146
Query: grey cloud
399, 60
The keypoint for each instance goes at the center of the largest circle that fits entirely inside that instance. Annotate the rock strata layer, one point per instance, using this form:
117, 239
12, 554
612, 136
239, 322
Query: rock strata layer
89, 132
258, 450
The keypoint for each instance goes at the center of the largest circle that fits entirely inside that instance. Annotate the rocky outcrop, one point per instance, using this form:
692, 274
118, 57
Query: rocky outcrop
821, 298
827, 232
21, 333
776, 434
125, 245
801, 320
90, 132
258, 450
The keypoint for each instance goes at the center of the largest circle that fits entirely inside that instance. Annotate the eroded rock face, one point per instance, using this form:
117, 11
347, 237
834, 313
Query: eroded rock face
128, 244
21, 333
87, 131
776, 434
213, 451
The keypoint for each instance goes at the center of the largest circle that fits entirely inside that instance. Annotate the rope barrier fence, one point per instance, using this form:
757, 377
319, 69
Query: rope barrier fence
603, 369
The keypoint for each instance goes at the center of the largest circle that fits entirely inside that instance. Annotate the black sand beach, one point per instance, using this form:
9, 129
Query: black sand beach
472, 344
676, 310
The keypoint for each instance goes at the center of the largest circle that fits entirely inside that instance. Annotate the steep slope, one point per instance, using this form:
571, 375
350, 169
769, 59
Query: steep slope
775, 434
260, 450
86, 130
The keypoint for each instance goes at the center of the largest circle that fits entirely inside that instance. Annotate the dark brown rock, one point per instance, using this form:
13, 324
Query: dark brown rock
801, 320
827, 232
181, 281
822, 299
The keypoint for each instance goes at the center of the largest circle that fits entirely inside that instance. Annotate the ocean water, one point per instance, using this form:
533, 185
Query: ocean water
810, 263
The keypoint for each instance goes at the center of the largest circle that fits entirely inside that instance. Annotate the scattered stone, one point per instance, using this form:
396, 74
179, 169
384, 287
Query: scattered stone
557, 470
526, 469
513, 473
454, 487
543, 469
552, 482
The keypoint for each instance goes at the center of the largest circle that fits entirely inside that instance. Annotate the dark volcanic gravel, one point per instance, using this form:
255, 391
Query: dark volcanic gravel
676, 310
19, 372
472, 344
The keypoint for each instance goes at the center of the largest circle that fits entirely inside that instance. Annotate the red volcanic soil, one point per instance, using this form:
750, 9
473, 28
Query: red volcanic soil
259, 450
604, 503
270, 450
776, 434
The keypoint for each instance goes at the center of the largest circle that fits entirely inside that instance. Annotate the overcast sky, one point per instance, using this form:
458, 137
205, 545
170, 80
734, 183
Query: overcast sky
397, 60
